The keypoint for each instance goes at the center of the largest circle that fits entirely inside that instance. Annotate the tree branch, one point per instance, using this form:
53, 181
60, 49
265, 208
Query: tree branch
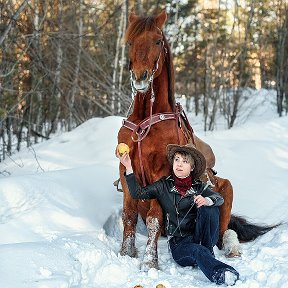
13, 19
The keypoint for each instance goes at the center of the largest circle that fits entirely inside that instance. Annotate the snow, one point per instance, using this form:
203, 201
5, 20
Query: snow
60, 215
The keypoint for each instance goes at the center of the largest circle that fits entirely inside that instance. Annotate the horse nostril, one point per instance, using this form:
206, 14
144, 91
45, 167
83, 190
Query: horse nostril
133, 75
145, 75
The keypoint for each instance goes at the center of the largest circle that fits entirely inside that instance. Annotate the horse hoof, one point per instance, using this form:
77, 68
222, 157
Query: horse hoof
231, 244
128, 248
233, 254
146, 266
129, 252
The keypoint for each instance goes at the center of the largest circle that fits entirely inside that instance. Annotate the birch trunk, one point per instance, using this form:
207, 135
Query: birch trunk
139, 7
59, 60
176, 27
123, 58
37, 45
116, 61
207, 83
281, 59
13, 21
75, 87
243, 81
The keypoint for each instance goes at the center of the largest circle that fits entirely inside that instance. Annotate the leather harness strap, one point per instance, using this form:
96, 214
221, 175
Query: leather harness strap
188, 126
143, 125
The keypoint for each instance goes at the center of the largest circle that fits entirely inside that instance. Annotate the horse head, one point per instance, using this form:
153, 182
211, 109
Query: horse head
147, 49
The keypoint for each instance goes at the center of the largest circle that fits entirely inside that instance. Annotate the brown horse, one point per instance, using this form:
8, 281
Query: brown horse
155, 122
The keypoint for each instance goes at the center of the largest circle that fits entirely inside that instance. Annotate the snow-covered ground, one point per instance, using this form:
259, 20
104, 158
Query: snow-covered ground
60, 215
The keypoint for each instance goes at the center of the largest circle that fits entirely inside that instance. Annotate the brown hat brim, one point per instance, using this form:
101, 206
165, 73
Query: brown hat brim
199, 159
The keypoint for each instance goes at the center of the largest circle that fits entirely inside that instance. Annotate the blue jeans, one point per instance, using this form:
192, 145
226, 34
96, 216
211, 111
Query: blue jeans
197, 250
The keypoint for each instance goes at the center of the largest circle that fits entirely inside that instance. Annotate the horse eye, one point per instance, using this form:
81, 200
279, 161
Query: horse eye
158, 42
129, 44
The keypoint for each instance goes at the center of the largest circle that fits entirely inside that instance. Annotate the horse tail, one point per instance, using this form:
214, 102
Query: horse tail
246, 230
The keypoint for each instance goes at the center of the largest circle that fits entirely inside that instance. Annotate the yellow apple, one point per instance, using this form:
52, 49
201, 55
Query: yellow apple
122, 149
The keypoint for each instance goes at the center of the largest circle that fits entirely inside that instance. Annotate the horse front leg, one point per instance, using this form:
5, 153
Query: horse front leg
154, 223
228, 239
129, 219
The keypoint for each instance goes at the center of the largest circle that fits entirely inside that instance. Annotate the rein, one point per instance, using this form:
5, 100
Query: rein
143, 128
141, 135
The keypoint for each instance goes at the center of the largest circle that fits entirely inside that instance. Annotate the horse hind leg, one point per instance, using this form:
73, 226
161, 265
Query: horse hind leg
228, 239
129, 218
154, 223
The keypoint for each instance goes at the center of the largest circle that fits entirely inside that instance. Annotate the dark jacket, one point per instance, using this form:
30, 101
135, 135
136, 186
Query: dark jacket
174, 206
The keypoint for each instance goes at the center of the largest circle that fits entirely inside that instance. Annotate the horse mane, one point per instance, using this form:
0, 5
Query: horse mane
170, 69
148, 23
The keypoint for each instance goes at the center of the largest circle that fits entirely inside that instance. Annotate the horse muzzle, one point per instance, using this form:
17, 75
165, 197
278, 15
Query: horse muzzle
141, 86
141, 82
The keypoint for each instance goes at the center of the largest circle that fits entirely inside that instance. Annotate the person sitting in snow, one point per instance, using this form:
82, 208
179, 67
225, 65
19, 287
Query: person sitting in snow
191, 210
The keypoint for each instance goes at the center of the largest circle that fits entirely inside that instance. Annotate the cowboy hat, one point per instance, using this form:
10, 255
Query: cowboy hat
199, 160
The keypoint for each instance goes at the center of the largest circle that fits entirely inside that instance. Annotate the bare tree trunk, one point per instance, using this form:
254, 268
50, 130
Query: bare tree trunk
139, 7
285, 51
29, 119
59, 60
243, 81
37, 46
116, 60
176, 26
281, 59
20, 130
75, 86
207, 83
13, 20
9, 135
123, 58
2, 148
4, 144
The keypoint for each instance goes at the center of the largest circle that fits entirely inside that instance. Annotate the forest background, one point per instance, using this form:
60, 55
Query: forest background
63, 62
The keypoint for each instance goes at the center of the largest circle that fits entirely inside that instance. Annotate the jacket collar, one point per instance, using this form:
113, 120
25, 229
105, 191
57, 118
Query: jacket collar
173, 189
170, 178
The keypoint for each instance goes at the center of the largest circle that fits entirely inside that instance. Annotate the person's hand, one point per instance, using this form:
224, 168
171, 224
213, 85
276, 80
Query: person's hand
125, 160
200, 201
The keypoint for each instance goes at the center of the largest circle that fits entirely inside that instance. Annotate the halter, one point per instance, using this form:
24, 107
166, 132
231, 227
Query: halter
141, 136
151, 79
142, 129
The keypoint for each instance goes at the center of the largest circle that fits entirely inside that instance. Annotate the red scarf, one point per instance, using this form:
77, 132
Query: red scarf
182, 184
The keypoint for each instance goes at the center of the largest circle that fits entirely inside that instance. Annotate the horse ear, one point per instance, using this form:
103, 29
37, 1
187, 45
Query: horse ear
161, 19
132, 17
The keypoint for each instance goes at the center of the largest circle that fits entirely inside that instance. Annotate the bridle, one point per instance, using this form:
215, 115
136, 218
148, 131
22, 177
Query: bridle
142, 129
151, 78
143, 134
155, 68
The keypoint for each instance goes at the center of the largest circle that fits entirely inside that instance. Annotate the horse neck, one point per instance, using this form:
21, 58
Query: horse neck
161, 103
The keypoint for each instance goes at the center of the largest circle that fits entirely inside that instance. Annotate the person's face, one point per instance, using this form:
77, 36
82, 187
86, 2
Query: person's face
181, 166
